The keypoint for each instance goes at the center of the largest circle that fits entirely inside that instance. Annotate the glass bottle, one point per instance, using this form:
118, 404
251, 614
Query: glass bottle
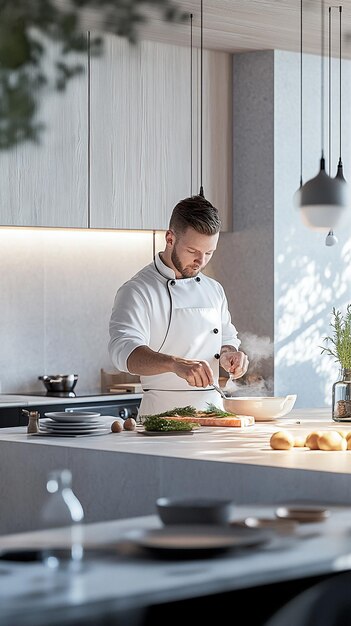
63, 508
342, 397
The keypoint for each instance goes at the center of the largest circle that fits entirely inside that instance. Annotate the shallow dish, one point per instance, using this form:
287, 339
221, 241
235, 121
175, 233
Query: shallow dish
72, 416
282, 525
303, 513
182, 542
194, 510
263, 408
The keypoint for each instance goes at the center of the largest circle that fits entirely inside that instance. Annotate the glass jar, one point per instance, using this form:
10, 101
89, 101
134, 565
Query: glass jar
63, 509
342, 397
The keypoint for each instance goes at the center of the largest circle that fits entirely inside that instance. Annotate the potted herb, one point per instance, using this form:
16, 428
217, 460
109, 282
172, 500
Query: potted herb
339, 346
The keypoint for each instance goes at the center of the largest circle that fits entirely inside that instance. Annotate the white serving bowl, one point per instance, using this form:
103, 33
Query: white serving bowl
263, 408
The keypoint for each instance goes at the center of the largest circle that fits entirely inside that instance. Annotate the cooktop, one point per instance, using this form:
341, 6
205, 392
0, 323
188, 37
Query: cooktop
63, 394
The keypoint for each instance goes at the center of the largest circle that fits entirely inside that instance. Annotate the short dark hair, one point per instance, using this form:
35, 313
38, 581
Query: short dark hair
196, 212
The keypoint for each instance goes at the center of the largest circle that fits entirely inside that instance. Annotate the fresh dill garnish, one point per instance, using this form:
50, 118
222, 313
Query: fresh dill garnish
183, 411
214, 411
162, 424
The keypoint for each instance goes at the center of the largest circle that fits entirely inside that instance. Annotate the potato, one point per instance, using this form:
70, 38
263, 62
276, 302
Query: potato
312, 440
117, 426
332, 440
299, 442
282, 440
348, 435
129, 423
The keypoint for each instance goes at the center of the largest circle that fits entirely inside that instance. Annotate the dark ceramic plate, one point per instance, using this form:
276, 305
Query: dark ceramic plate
176, 510
197, 541
283, 526
303, 513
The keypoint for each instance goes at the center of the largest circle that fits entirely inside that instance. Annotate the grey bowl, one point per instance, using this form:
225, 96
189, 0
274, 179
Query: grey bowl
194, 510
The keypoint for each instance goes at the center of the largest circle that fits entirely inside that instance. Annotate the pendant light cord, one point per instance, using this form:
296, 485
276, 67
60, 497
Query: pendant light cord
301, 93
191, 103
201, 193
340, 11
322, 82
329, 88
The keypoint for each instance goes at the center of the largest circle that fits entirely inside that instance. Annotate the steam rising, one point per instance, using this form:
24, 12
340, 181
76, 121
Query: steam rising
253, 383
256, 348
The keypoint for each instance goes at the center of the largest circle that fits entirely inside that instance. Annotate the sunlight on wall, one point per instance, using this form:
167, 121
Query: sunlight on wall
304, 313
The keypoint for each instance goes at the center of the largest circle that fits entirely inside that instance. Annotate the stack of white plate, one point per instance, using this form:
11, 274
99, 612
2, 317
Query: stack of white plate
73, 424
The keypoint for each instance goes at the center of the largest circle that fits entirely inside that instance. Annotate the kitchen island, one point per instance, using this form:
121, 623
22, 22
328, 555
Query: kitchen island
118, 584
120, 475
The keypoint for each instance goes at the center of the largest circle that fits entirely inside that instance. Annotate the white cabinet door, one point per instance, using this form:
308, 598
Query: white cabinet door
141, 133
46, 183
115, 130
165, 75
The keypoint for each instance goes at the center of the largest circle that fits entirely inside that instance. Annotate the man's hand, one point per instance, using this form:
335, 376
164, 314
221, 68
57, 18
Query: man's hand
196, 373
236, 363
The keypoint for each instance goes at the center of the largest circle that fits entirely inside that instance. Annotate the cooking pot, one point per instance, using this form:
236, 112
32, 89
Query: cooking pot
59, 382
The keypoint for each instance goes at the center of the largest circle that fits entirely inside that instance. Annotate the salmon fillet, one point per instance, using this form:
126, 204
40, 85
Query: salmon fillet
235, 421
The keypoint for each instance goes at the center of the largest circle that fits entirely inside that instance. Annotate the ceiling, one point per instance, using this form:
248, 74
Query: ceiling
243, 25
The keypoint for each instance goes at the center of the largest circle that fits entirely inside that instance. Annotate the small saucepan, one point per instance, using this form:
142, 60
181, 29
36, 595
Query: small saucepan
59, 382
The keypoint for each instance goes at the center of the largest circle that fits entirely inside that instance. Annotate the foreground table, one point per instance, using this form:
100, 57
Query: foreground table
131, 590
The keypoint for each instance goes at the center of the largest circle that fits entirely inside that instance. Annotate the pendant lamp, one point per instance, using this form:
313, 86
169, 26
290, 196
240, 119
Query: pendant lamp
331, 239
191, 103
321, 199
340, 173
201, 192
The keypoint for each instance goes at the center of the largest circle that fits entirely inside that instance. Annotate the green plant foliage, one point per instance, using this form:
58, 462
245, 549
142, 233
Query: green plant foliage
339, 343
180, 411
26, 24
162, 424
214, 411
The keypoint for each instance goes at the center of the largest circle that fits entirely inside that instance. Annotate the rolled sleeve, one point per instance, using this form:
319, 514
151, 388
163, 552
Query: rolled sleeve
129, 326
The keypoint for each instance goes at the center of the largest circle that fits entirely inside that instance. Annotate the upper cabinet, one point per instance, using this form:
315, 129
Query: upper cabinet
45, 182
141, 140
140, 134
120, 145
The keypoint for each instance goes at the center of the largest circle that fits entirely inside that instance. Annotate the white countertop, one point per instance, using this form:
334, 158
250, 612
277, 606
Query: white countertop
249, 445
129, 581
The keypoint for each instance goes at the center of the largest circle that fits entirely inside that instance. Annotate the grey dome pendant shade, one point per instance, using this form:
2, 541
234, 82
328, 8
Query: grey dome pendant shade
322, 200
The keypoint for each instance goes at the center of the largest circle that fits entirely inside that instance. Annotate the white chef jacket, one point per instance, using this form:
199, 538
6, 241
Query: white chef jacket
186, 317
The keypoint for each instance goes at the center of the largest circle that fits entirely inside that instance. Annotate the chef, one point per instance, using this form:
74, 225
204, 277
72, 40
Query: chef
170, 323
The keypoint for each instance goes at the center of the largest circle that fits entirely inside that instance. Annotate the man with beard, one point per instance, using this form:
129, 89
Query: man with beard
170, 323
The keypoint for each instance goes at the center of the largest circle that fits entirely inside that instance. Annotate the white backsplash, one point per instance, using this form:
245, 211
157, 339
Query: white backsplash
56, 294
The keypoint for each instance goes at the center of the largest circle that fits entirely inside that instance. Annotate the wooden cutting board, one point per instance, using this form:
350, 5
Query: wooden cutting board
236, 421
126, 388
